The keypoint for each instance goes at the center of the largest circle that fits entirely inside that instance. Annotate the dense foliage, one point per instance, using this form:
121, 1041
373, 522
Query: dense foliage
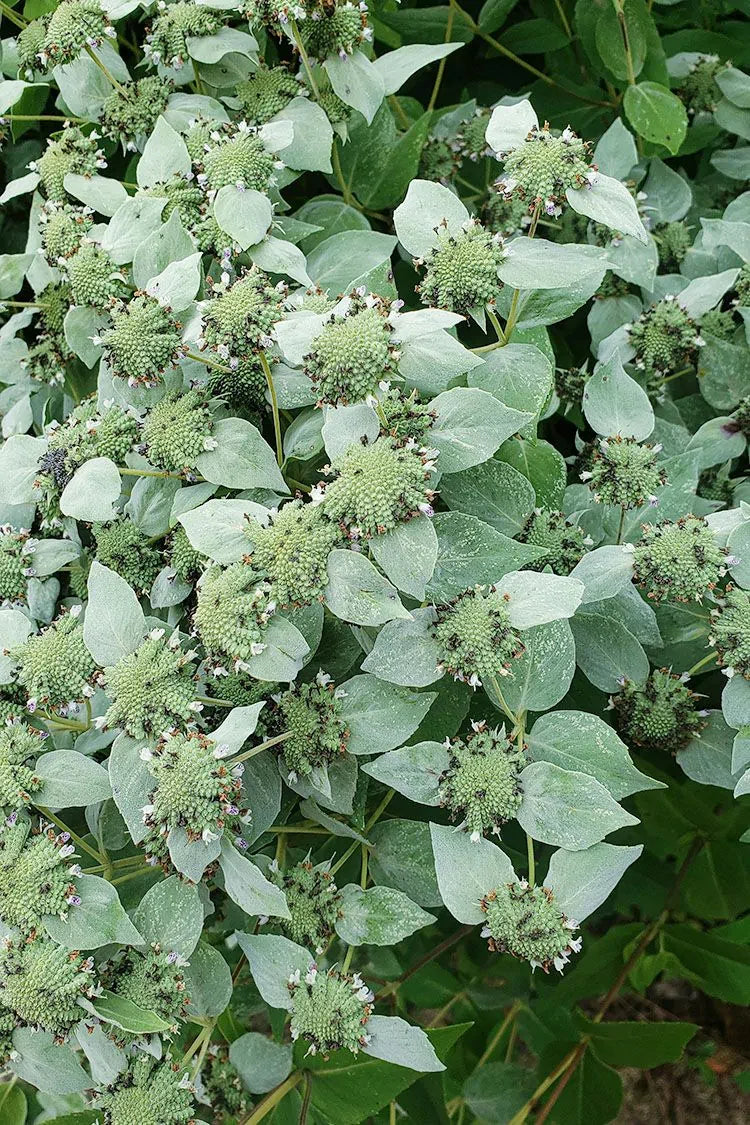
374, 558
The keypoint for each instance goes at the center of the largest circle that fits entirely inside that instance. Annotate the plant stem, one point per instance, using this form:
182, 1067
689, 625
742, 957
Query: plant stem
131, 875
208, 362
274, 408
492, 317
621, 526
338, 172
215, 702
373, 820
14, 16
126, 471
93, 55
701, 663
563, 19
306, 1099
501, 699
272, 1100
510, 1016
38, 117
448, 943
305, 58
74, 837
263, 746
530, 854
441, 65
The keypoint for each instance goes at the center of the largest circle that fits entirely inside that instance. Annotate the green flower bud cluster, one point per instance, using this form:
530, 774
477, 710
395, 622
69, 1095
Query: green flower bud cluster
504, 216
335, 109
292, 552
461, 270
73, 151
353, 353
316, 300
330, 1010
665, 338
72, 26
132, 111
480, 787
183, 557
124, 548
742, 287
54, 666
660, 714
152, 688
314, 904
244, 387
730, 628
544, 167
265, 92
241, 319
698, 90
182, 195
54, 303
147, 1093
223, 1085
35, 880
524, 921
178, 430
29, 46
377, 487
475, 638
673, 240
233, 610
311, 713
242, 691
719, 323
570, 383
41, 983
63, 228
94, 277
20, 746
235, 155
624, 472
16, 559
175, 23
273, 12
335, 29
193, 790
565, 543
471, 139
678, 560
407, 420
87, 432
46, 360
7, 1027
153, 980
716, 484
439, 161
143, 342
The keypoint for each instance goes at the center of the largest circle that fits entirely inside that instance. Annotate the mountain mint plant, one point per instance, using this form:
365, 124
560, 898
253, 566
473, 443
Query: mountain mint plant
374, 561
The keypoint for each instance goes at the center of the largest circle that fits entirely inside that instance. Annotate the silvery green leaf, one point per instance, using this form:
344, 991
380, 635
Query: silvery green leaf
242, 459
668, 194
260, 1062
492, 491
171, 914
50, 554
636, 262
721, 232
239, 724
15, 628
348, 425
183, 108
243, 214
413, 770
310, 809
150, 504
708, 759
296, 332
272, 960
220, 529
614, 403
405, 653
114, 625
467, 870
566, 808
582, 742
261, 792
734, 85
510, 125
615, 152
177, 284
10, 91
81, 324
470, 425
539, 264
125, 1014
470, 552
19, 464
716, 442
105, 1058
71, 780
92, 491
733, 119
396, 67
101, 193
248, 887
310, 149
285, 652
213, 48
702, 293
379, 715
131, 783
208, 982
339, 261
536, 599
738, 545
735, 702
358, 593
21, 186
430, 363
192, 857
426, 207
604, 572
84, 87
278, 255
303, 439
170, 242
607, 652
518, 375
396, 1041
42, 599
407, 555
48, 1066
582, 881
357, 82
99, 919
542, 674
609, 202
378, 916
13, 269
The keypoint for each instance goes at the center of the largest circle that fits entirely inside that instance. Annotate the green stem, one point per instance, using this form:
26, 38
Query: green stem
38, 117
564, 19
441, 65
305, 59
338, 172
215, 702
208, 362
272, 1100
260, 748
621, 525
373, 819
274, 408
702, 663
14, 16
530, 854
131, 875
501, 699
111, 78
126, 471
74, 837
510, 1016
492, 317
